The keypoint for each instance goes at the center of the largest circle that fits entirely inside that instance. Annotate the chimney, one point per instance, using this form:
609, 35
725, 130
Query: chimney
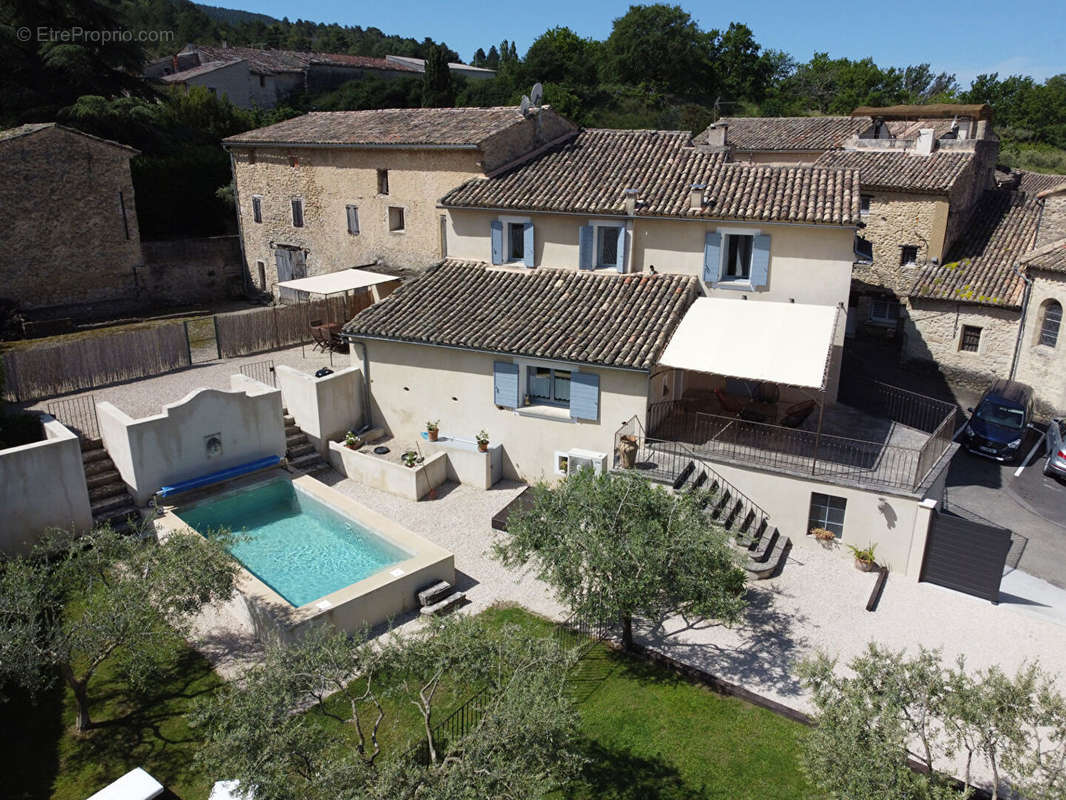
717, 134
926, 141
695, 197
982, 129
631, 202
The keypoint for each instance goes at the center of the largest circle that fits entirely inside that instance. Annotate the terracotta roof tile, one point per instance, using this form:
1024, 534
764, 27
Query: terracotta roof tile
790, 133
979, 268
391, 126
1038, 183
36, 127
1051, 257
897, 170
566, 315
268, 62
590, 173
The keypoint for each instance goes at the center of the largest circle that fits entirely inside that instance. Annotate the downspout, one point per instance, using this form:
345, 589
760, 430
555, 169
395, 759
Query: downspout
368, 423
1021, 322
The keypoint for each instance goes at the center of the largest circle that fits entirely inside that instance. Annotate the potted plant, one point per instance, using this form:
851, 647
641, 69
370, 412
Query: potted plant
433, 429
826, 537
864, 558
351, 441
627, 451
409, 458
482, 441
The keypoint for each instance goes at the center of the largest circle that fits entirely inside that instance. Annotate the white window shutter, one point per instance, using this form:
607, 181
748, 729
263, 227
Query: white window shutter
497, 241
712, 257
622, 248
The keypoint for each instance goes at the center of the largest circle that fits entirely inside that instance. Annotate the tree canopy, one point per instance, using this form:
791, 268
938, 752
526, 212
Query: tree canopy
614, 546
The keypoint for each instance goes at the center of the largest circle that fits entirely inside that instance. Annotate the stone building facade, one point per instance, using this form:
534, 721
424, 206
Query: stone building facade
329, 191
69, 239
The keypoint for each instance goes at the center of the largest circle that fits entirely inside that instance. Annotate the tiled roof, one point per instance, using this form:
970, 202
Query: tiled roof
926, 111
590, 174
566, 315
267, 62
1051, 257
1037, 182
458, 127
979, 268
790, 133
897, 170
203, 69
37, 127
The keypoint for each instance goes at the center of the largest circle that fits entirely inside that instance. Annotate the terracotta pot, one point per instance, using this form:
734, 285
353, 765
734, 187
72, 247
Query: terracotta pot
433, 434
864, 566
483, 447
627, 451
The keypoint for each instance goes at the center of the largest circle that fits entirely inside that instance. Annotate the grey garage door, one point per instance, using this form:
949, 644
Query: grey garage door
965, 556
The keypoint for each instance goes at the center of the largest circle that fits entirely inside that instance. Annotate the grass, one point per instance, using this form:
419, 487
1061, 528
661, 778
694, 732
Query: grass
648, 733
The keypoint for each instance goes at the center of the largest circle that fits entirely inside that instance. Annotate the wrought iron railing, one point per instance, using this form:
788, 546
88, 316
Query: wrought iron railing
262, 371
899, 405
78, 414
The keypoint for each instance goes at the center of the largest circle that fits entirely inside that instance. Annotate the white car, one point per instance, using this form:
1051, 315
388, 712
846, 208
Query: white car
1055, 442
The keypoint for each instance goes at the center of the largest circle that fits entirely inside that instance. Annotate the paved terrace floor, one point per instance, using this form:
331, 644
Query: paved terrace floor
854, 446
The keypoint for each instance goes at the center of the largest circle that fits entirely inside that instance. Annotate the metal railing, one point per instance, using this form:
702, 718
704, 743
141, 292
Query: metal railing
78, 414
899, 405
262, 371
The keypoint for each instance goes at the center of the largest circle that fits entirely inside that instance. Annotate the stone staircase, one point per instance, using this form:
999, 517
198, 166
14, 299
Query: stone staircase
763, 546
299, 452
438, 598
109, 499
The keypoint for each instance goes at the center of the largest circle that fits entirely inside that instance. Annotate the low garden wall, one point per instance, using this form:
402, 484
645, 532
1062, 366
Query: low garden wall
324, 408
42, 485
410, 482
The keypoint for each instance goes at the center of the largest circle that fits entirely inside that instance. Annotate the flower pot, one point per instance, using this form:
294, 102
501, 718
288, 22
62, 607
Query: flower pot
483, 447
433, 434
627, 451
864, 566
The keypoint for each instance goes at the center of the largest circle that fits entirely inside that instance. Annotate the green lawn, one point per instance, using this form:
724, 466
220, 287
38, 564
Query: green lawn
649, 734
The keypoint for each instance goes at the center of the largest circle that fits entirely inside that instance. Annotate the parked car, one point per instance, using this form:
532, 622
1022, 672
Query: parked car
1055, 438
999, 423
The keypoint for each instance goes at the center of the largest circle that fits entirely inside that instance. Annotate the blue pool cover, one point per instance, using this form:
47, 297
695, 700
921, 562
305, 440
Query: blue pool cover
221, 475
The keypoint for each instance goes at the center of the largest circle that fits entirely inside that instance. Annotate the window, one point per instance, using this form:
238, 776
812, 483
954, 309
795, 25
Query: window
738, 256
396, 220
262, 81
257, 208
908, 255
1049, 325
827, 512
864, 250
352, 213
294, 162
607, 246
122, 208
884, 310
970, 339
261, 267
864, 204
516, 241
547, 385
212, 90
383, 181
297, 212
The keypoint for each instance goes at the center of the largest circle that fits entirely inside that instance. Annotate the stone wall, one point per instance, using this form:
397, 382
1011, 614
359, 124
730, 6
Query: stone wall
896, 219
517, 141
188, 271
70, 222
1043, 367
932, 332
1052, 219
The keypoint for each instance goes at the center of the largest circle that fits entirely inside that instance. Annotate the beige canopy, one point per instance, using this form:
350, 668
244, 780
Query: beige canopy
344, 280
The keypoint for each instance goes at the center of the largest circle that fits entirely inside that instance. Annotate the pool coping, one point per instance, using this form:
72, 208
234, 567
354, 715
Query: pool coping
427, 557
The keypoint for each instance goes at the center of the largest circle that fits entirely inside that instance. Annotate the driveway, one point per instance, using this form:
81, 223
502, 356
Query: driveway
1031, 505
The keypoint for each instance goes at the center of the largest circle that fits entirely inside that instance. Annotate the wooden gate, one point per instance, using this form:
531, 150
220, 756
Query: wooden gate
965, 556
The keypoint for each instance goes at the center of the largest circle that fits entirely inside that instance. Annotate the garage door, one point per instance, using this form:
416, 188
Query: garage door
965, 556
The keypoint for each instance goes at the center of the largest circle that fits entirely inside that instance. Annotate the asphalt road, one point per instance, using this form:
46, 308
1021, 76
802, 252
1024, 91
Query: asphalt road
1031, 505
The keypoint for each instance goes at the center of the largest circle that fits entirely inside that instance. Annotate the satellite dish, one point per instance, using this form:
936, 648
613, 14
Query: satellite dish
536, 94
525, 105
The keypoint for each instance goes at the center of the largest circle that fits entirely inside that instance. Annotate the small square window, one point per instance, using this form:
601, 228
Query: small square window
352, 212
383, 181
884, 311
297, 212
864, 204
396, 219
908, 255
827, 512
257, 208
738, 256
970, 340
262, 81
516, 241
547, 385
864, 250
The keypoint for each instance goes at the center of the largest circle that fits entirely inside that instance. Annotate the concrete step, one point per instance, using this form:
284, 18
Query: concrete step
431, 594
312, 462
774, 559
117, 517
101, 477
300, 450
288, 419
295, 437
99, 467
96, 454
90, 444
443, 605
110, 503
106, 490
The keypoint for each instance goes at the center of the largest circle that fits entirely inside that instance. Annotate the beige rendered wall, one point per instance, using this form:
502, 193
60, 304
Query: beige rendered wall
324, 408
328, 180
809, 264
233, 81
42, 485
896, 219
412, 383
776, 156
171, 447
1043, 367
63, 241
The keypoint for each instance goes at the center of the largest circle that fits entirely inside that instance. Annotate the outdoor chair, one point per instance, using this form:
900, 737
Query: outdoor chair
323, 340
796, 414
731, 404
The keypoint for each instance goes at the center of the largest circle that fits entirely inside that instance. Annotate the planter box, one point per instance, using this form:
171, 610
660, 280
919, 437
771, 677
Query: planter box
379, 473
467, 464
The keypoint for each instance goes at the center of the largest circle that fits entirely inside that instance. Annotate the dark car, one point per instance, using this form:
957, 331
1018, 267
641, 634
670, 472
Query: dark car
1055, 465
998, 424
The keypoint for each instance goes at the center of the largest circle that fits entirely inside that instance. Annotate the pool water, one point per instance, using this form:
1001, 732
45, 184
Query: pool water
298, 546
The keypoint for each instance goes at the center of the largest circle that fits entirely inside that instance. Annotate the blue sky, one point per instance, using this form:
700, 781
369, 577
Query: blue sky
967, 37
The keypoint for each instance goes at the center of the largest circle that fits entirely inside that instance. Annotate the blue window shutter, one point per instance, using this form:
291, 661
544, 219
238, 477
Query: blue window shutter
505, 383
527, 244
585, 247
584, 396
622, 249
712, 257
760, 261
497, 242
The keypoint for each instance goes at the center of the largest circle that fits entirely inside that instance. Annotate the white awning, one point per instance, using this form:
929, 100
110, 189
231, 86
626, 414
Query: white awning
335, 282
787, 343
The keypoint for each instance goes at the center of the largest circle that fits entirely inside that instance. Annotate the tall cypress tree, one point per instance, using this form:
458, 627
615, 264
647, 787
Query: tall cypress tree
437, 89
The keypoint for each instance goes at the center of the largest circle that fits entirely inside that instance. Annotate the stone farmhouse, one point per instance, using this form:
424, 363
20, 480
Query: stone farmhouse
70, 240
331, 190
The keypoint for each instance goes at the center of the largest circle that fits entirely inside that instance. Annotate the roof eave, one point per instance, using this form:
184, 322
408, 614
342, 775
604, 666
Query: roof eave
228, 143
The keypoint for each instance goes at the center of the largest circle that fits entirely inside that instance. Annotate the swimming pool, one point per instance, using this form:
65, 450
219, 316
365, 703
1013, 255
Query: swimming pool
296, 544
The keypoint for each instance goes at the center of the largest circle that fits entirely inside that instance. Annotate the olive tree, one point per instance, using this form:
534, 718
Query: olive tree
354, 735
614, 546
77, 602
